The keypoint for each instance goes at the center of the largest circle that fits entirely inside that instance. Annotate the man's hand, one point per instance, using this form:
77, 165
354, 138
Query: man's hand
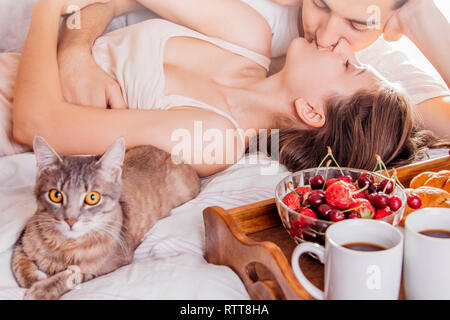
397, 24
82, 80
290, 3
85, 83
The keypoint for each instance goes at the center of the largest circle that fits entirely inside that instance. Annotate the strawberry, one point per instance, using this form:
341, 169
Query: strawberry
330, 182
292, 201
304, 221
382, 213
339, 195
347, 179
295, 229
304, 193
364, 208
361, 195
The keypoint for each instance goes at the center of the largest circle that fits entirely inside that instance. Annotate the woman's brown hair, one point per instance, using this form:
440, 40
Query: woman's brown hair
357, 129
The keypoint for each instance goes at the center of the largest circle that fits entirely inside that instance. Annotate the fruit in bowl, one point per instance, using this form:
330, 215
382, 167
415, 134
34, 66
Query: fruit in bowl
309, 201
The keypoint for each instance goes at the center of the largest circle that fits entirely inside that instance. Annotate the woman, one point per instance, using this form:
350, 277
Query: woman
322, 97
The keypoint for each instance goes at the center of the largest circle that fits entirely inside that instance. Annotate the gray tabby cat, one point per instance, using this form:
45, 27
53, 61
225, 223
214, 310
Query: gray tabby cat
92, 213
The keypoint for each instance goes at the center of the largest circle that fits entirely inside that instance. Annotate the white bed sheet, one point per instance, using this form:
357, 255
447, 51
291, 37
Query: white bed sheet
169, 264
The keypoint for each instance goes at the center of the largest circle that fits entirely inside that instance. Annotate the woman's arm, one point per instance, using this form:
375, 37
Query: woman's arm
231, 20
39, 107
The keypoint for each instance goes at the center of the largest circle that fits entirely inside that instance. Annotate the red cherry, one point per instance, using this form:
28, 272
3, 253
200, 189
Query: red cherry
324, 211
395, 203
371, 198
365, 179
336, 215
316, 200
374, 187
380, 200
317, 182
381, 213
353, 215
318, 192
387, 186
414, 201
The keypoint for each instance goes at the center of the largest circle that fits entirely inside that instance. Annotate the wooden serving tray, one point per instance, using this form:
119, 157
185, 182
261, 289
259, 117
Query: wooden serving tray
253, 242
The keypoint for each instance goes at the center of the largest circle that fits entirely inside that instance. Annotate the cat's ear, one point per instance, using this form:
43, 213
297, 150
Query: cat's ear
46, 156
111, 162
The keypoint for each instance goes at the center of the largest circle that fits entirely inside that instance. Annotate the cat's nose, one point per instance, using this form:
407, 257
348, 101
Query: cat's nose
70, 222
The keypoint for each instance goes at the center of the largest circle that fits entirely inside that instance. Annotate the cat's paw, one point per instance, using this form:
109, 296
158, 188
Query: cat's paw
41, 290
75, 277
52, 288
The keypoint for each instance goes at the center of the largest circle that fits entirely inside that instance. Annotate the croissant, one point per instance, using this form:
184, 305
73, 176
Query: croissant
431, 197
439, 180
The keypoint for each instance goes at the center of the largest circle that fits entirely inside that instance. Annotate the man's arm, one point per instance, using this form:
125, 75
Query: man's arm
90, 85
231, 20
425, 25
435, 114
289, 3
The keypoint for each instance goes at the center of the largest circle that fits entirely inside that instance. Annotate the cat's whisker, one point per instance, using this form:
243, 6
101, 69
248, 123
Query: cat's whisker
115, 236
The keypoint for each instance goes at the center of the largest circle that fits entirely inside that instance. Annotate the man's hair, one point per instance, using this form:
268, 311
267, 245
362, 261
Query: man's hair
398, 4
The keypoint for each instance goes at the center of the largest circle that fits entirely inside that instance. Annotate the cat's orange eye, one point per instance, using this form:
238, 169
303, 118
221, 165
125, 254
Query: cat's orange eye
55, 196
92, 198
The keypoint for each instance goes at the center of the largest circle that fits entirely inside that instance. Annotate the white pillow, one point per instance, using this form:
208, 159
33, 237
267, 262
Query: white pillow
15, 17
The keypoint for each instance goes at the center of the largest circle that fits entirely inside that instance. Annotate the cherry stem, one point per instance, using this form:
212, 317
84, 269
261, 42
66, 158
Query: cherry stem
291, 188
326, 174
376, 167
396, 179
382, 165
353, 209
385, 187
321, 163
360, 190
330, 153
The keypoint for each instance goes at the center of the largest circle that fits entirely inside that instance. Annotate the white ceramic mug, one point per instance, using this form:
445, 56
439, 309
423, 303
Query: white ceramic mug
426, 269
352, 274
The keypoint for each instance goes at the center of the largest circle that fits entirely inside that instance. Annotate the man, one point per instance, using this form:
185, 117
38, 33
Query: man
324, 22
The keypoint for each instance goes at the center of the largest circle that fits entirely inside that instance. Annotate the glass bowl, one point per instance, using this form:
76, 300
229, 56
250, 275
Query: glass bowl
303, 228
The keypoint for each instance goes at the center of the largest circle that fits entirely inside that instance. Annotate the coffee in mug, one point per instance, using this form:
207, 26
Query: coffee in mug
427, 254
363, 260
